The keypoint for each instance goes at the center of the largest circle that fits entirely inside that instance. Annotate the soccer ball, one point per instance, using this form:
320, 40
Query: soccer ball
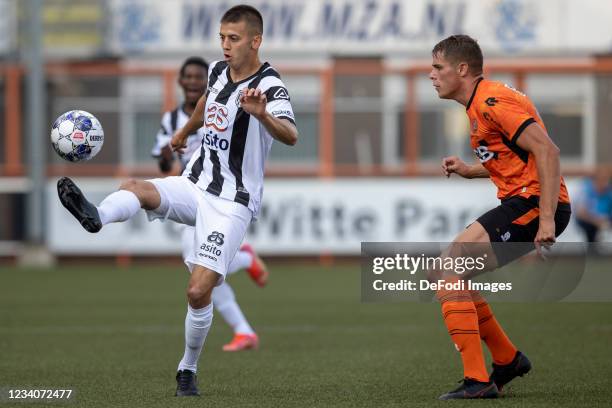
77, 135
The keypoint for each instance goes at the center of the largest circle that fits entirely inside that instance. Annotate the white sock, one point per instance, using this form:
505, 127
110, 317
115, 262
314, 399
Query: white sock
225, 303
197, 324
242, 260
118, 206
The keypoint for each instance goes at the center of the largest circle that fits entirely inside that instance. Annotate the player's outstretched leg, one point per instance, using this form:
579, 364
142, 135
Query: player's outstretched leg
225, 302
257, 269
116, 207
73, 199
197, 323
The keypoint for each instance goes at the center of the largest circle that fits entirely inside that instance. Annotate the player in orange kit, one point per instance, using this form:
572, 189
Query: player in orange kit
516, 153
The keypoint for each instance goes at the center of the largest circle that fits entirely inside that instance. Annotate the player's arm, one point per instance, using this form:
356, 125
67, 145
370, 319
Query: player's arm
280, 129
535, 140
254, 101
196, 121
454, 164
165, 160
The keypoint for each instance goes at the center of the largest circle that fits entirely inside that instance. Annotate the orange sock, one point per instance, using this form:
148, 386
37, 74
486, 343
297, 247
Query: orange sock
462, 323
502, 349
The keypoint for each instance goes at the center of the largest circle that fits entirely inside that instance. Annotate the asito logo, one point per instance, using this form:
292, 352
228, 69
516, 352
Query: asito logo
211, 249
216, 117
216, 238
213, 140
483, 153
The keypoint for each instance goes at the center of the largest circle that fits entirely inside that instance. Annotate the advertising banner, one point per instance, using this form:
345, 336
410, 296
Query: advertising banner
368, 27
303, 217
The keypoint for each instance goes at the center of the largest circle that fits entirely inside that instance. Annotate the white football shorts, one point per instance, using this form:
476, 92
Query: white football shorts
187, 239
220, 224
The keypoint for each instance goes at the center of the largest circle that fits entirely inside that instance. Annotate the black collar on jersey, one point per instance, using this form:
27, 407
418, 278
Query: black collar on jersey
473, 93
259, 71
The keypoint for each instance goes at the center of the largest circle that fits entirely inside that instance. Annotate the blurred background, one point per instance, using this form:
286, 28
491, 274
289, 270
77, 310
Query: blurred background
372, 130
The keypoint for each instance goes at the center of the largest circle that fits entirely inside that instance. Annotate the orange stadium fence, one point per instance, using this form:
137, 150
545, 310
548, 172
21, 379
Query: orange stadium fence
12, 76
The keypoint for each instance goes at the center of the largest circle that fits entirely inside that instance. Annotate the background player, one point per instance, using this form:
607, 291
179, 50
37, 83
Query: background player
516, 153
220, 192
593, 206
193, 81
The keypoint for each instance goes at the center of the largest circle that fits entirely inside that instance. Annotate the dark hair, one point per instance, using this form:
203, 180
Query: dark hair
461, 48
193, 61
246, 13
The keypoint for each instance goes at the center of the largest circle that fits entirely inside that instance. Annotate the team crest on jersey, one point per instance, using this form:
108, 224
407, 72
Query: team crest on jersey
240, 92
216, 117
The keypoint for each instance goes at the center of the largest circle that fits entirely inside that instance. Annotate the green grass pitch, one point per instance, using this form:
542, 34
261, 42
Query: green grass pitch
115, 336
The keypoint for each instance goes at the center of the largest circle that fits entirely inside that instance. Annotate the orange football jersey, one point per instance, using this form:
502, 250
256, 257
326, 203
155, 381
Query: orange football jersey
498, 115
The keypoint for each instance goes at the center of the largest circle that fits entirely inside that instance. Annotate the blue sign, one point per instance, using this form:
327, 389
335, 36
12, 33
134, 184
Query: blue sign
516, 24
138, 24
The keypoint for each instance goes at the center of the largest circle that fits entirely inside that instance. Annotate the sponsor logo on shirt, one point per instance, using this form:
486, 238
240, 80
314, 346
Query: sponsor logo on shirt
282, 113
484, 154
216, 237
216, 117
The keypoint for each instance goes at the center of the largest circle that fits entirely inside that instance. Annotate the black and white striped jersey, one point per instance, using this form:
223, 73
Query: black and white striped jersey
170, 123
235, 146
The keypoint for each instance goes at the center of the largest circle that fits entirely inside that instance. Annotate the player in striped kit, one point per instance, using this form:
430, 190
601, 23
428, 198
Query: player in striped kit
245, 108
193, 81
